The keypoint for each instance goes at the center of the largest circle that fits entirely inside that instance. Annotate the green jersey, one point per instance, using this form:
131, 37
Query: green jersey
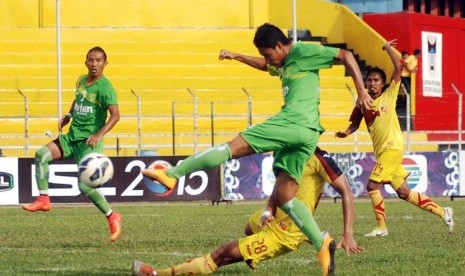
90, 108
300, 82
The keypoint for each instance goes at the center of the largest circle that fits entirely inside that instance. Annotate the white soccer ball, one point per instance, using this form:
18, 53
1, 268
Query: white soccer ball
95, 170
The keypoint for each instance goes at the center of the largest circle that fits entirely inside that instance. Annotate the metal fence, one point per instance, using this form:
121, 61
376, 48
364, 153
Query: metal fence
192, 123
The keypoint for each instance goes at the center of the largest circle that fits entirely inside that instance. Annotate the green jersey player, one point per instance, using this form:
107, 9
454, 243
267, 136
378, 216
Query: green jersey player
95, 96
292, 134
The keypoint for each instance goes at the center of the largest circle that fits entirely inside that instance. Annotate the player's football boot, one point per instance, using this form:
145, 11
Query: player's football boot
42, 203
160, 176
326, 255
142, 269
448, 214
114, 220
377, 232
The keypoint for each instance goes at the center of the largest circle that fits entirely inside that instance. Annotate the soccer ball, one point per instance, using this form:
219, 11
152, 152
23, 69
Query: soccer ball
95, 170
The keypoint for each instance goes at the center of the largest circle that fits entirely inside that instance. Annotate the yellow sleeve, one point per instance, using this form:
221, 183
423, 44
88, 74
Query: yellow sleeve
411, 64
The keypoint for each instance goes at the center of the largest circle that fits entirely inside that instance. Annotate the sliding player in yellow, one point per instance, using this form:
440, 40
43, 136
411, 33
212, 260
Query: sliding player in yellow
279, 235
383, 125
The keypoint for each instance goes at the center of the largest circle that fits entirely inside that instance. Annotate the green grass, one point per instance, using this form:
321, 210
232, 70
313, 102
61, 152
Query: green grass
74, 240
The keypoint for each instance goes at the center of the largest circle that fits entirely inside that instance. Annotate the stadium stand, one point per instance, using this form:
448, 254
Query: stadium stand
174, 69
169, 81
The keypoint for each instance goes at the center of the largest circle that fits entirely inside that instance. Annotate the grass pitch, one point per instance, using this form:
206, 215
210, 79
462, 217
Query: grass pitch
74, 239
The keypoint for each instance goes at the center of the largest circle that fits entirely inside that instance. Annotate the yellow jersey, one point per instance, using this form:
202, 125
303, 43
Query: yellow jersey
411, 62
382, 121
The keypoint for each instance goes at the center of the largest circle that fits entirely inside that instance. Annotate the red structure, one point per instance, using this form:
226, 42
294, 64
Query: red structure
432, 113
450, 8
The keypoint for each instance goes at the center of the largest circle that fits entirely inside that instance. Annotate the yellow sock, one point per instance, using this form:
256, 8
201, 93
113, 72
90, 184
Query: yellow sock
197, 266
425, 203
377, 202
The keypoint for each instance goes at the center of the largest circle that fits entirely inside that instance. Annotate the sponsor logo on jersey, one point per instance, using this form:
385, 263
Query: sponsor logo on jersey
83, 109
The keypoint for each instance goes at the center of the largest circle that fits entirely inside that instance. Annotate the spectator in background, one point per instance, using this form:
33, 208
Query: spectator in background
401, 105
403, 58
403, 63
411, 66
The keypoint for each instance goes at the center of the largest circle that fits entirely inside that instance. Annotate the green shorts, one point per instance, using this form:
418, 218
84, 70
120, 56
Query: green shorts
78, 149
292, 144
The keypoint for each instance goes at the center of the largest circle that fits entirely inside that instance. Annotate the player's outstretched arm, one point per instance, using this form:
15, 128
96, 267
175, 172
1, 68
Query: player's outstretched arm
255, 62
355, 119
388, 47
350, 129
269, 212
348, 242
364, 100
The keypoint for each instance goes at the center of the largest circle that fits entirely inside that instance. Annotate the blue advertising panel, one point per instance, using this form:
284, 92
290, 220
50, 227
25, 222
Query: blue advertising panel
432, 173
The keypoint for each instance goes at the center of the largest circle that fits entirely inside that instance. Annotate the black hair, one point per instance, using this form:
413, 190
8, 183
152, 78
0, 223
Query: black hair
404, 53
377, 70
381, 73
268, 35
98, 49
416, 52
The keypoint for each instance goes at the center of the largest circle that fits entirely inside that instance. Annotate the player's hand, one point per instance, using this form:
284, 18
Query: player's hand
63, 122
340, 134
349, 245
93, 140
226, 54
364, 101
390, 43
266, 218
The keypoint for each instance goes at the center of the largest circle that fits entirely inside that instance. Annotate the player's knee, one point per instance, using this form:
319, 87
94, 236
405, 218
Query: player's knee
373, 186
403, 193
40, 155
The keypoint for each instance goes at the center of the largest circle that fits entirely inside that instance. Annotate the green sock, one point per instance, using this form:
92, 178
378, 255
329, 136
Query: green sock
96, 197
42, 157
302, 217
206, 159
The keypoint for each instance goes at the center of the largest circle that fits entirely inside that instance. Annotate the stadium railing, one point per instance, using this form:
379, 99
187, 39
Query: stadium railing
186, 121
